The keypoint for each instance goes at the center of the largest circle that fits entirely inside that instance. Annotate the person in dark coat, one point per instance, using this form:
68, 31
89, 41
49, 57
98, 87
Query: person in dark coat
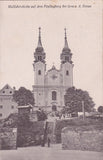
42, 141
48, 141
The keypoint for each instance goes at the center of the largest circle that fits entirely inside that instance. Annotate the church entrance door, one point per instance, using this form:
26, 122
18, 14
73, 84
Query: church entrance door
54, 108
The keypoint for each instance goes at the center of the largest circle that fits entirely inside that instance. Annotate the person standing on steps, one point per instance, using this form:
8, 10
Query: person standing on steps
48, 141
42, 141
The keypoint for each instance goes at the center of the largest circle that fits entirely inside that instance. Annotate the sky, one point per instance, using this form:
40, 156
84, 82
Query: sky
19, 37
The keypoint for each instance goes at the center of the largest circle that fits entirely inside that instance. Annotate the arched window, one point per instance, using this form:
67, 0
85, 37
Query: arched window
39, 72
54, 108
67, 72
66, 58
54, 95
40, 58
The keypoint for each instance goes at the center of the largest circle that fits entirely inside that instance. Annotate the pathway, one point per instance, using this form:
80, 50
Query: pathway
44, 153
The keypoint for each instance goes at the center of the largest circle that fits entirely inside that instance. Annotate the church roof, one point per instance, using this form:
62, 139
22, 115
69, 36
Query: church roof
66, 48
39, 46
6, 90
53, 68
39, 39
39, 53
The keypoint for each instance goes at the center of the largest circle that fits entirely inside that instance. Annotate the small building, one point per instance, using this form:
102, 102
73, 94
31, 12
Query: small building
24, 109
81, 114
7, 103
28, 109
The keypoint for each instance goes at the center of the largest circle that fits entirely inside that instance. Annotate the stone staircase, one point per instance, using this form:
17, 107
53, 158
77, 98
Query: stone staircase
49, 130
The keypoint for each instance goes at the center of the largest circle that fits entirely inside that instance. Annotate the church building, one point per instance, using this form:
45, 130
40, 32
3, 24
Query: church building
50, 86
7, 103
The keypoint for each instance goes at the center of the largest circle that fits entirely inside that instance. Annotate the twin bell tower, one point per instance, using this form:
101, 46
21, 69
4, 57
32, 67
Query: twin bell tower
50, 86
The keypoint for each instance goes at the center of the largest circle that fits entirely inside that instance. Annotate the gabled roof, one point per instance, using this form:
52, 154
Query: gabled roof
6, 90
53, 68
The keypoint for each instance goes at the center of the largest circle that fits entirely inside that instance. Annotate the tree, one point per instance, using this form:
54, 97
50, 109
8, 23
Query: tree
73, 100
23, 96
100, 109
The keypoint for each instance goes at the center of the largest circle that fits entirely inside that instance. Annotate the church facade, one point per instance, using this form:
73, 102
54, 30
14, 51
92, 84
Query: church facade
50, 86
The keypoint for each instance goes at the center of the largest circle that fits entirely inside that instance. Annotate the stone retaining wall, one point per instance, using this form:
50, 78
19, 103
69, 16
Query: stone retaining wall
91, 140
8, 138
30, 135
